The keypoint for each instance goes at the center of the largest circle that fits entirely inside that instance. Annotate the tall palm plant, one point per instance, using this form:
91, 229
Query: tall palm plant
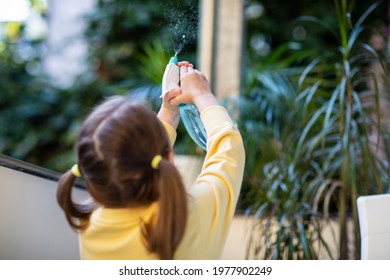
349, 116
280, 189
326, 157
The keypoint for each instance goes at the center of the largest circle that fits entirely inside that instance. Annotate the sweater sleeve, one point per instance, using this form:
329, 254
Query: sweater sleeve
170, 131
216, 190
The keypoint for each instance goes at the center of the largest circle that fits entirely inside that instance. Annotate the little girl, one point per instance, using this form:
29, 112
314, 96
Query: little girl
141, 208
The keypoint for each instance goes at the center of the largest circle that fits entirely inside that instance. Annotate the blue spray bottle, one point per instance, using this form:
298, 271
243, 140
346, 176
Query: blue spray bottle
189, 113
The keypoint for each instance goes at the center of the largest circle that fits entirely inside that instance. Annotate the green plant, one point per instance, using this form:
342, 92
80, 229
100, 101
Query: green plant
38, 122
350, 118
118, 30
132, 41
273, 117
324, 157
45, 119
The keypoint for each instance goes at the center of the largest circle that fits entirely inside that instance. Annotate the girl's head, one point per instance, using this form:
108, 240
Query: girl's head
115, 148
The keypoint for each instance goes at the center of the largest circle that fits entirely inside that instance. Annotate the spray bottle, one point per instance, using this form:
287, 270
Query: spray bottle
189, 113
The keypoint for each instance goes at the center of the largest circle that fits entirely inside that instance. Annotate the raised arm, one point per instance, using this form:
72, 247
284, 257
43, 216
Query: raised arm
214, 195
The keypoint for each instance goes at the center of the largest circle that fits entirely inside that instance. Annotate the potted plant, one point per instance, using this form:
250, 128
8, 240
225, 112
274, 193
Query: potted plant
311, 139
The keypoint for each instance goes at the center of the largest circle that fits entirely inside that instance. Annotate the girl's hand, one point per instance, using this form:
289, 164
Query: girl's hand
184, 63
166, 104
166, 100
169, 111
195, 88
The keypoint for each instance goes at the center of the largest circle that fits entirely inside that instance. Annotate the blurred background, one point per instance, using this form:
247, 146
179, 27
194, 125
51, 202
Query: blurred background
306, 81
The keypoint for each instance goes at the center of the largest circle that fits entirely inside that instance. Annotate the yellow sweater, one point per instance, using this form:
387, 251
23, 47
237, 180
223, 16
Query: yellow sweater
116, 233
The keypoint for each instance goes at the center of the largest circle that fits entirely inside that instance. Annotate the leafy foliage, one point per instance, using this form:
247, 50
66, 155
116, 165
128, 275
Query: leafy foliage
38, 121
118, 31
324, 156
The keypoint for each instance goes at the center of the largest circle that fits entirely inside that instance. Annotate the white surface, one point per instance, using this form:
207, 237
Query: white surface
33, 227
374, 219
17, 10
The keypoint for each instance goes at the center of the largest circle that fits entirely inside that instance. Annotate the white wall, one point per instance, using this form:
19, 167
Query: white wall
32, 226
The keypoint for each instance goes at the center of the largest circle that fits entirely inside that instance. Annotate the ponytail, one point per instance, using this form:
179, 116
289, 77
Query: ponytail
72, 210
164, 237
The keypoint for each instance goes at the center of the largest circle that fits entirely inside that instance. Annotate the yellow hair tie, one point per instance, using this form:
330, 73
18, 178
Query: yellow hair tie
156, 161
75, 170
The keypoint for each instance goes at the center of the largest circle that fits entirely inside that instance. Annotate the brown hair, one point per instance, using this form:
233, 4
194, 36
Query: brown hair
115, 148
